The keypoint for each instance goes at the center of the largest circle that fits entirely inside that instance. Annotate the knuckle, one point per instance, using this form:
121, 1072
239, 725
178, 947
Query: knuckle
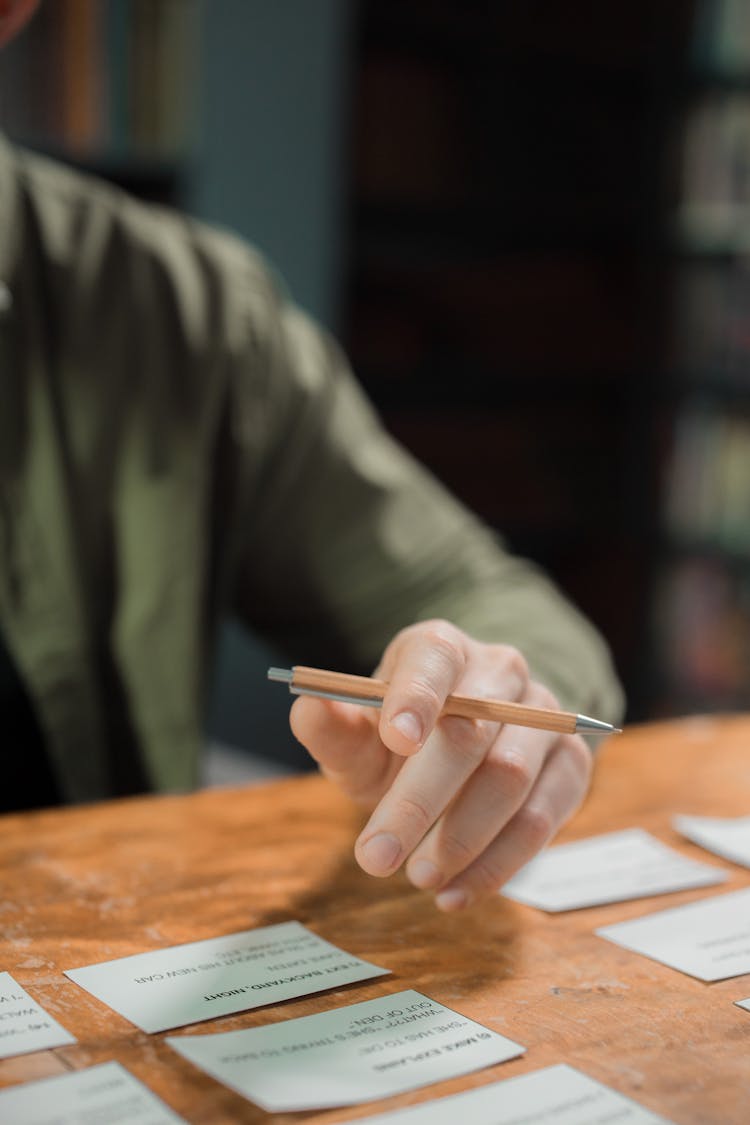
446, 641
515, 662
487, 876
512, 774
535, 825
424, 696
455, 851
469, 738
440, 627
416, 813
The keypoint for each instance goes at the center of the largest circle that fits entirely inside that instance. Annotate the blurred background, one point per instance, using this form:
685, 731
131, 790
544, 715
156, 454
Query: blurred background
529, 224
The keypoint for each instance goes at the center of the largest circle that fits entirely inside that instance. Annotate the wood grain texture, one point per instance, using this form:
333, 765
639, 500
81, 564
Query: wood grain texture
92, 883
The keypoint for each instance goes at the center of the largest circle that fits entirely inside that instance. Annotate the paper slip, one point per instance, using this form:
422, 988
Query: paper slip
556, 1094
608, 868
709, 939
743, 1004
347, 1055
726, 837
101, 1095
199, 980
24, 1024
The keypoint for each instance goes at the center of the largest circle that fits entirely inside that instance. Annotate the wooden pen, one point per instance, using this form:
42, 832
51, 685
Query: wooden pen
369, 692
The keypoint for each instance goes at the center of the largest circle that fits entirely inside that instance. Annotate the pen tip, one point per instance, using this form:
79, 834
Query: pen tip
587, 725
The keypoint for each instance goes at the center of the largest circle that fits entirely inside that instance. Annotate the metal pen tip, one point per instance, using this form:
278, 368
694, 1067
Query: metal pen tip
587, 725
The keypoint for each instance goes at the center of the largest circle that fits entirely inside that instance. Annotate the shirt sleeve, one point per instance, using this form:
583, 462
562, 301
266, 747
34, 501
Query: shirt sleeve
347, 539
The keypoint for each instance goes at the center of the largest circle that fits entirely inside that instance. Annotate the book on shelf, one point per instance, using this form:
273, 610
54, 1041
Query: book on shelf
714, 208
710, 327
82, 73
721, 38
702, 612
701, 602
707, 492
112, 77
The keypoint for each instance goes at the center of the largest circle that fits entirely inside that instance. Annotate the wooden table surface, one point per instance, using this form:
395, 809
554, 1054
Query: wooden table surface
93, 883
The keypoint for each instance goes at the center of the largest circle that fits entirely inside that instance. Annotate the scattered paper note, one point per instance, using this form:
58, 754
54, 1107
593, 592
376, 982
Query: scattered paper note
347, 1055
101, 1095
743, 1004
556, 1094
727, 837
24, 1024
608, 868
709, 940
184, 984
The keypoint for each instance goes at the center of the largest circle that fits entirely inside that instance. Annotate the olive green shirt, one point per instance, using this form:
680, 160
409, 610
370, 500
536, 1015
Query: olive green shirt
178, 442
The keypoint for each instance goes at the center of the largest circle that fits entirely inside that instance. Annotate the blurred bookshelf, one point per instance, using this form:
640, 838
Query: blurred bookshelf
508, 275
108, 86
701, 605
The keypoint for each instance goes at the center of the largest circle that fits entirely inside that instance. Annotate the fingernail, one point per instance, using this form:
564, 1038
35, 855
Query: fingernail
380, 854
408, 724
424, 874
452, 900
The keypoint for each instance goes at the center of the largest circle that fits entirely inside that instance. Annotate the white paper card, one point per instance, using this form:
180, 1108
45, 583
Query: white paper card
101, 1095
24, 1024
608, 868
743, 1004
347, 1055
556, 1094
727, 837
187, 983
709, 939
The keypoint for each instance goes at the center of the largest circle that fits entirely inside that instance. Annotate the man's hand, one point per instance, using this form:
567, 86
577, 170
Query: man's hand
464, 803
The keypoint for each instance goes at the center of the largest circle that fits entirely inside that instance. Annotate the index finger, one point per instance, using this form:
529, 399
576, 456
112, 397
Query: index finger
428, 661
422, 669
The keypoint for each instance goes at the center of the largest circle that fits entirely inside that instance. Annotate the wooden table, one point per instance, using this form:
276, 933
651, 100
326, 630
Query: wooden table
93, 883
